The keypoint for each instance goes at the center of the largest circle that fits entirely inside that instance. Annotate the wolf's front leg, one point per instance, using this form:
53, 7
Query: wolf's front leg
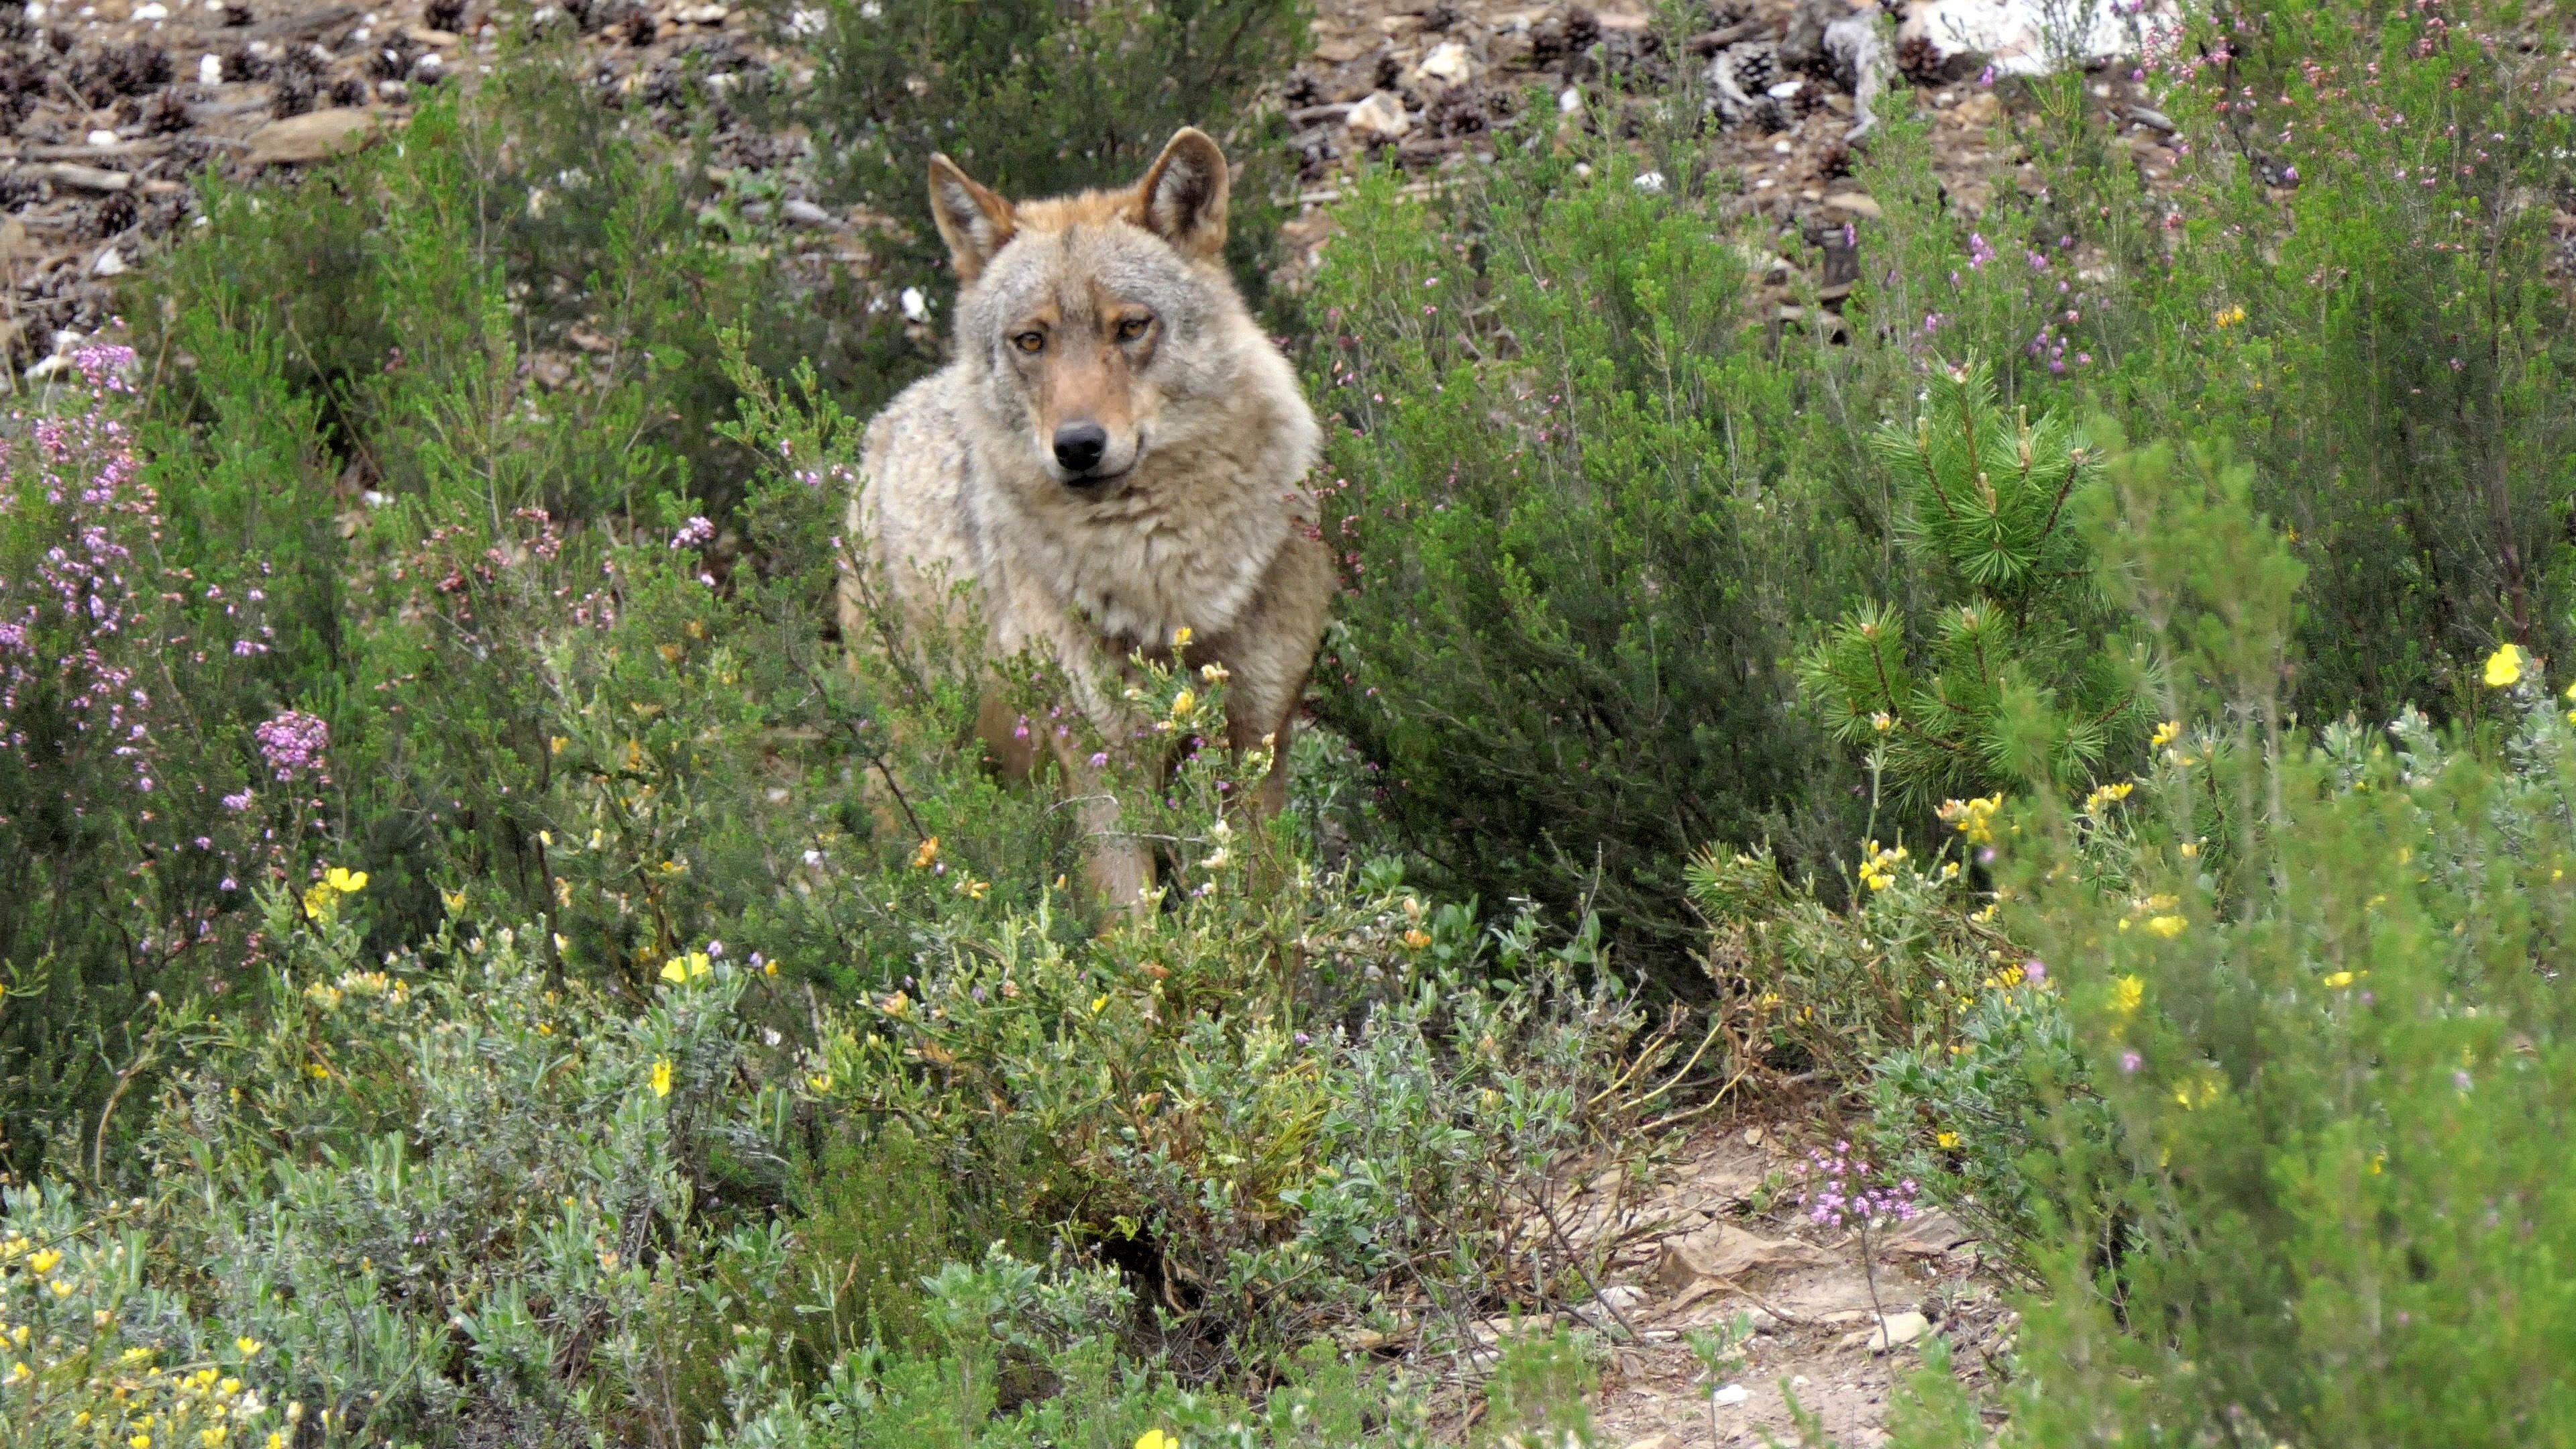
1118, 866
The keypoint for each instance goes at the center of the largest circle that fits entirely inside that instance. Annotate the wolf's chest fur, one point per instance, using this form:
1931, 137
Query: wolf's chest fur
1185, 545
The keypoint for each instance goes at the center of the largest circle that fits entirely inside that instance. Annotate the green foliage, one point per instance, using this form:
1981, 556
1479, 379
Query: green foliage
1035, 98
1579, 533
2019, 681
2317, 981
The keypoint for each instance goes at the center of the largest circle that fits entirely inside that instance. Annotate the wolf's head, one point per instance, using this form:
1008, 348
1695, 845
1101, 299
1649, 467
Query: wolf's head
1090, 322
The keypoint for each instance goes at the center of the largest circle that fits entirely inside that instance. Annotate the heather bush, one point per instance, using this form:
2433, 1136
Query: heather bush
1579, 532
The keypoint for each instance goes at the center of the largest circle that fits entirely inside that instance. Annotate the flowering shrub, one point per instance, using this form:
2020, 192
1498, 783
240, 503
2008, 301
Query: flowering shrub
131, 793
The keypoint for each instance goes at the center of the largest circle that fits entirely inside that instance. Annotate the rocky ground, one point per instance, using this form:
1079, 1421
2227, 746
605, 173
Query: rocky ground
108, 109
1722, 1236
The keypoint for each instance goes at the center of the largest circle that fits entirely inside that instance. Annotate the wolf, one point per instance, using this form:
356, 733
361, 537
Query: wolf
1114, 460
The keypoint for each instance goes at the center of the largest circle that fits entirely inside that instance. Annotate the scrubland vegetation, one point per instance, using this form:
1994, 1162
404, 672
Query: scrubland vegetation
2098, 715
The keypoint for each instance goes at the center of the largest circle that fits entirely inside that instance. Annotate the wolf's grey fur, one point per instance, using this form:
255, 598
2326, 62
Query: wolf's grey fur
1106, 314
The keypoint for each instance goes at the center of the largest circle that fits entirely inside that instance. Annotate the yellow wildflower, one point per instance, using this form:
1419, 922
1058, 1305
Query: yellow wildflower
820, 1081
248, 1347
896, 1004
1184, 702
1974, 819
1882, 721
927, 855
63, 1288
44, 1262
2504, 667
1213, 672
1097, 1003
2167, 926
1156, 1438
2107, 795
1945, 1141
2166, 733
2339, 979
687, 968
2127, 993
662, 1077
346, 882
1415, 938
1181, 637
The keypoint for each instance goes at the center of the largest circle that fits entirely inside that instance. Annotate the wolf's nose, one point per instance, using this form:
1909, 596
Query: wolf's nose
1078, 446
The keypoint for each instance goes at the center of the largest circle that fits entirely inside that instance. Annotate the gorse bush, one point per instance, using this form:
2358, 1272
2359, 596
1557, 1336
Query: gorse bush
2323, 1006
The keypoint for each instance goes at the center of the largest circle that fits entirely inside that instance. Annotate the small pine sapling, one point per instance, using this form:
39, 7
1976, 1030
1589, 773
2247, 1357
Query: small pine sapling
2015, 673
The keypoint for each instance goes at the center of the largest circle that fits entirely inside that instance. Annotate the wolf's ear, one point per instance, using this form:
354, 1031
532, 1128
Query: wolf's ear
1182, 200
972, 219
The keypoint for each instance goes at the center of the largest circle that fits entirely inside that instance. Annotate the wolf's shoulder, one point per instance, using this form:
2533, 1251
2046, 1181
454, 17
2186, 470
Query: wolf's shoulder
919, 431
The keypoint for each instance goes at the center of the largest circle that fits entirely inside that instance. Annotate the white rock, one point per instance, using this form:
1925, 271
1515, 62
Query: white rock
150, 12
1381, 117
109, 264
1730, 1396
1898, 1330
916, 307
102, 138
2031, 37
1569, 101
210, 70
1448, 64
1780, 147
806, 22
1650, 182
1785, 89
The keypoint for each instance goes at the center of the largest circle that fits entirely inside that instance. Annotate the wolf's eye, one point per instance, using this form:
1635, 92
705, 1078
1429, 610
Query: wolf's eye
1029, 341
1133, 328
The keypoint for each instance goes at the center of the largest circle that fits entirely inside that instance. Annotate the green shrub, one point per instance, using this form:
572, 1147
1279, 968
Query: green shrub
2023, 678
1580, 532
2323, 1002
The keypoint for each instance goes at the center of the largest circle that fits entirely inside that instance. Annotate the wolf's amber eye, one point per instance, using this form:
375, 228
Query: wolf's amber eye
1029, 341
1133, 328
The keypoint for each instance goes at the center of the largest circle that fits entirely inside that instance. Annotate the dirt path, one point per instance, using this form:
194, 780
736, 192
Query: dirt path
1725, 1236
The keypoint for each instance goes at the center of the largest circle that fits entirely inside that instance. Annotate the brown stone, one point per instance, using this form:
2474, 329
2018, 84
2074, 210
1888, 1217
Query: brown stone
313, 136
